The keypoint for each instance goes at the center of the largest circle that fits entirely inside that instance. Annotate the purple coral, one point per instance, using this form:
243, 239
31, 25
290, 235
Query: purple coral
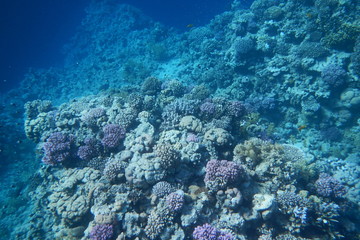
328, 186
191, 137
102, 232
58, 148
113, 133
205, 232
333, 75
89, 150
162, 189
176, 109
93, 115
222, 170
207, 108
259, 104
208, 232
235, 108
175, 200
243, 46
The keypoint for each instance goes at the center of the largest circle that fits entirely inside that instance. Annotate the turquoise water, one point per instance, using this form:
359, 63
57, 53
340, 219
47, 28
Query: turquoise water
240, 125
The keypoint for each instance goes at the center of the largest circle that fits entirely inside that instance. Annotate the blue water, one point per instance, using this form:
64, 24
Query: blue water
175, 119
181, 13
33, 33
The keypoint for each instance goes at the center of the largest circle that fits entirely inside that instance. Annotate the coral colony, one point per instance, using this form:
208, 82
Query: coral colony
245, 128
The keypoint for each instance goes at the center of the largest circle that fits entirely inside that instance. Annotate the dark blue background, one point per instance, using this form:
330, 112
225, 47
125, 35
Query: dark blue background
32, 34
34, 31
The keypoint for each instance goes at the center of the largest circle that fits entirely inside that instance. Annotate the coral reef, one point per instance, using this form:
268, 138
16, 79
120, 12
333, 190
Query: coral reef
245, 128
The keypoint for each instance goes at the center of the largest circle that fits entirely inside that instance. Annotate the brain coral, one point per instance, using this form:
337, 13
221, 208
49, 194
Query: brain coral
218, 136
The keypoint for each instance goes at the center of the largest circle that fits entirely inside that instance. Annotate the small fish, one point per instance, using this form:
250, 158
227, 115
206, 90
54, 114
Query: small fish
190, 25
301, 127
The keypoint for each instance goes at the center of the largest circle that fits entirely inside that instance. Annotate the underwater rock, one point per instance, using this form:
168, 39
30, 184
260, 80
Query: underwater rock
264, 204
350, 97
233, 198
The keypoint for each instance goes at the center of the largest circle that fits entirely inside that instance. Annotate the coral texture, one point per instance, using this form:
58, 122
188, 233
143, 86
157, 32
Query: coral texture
58, 148
113, 134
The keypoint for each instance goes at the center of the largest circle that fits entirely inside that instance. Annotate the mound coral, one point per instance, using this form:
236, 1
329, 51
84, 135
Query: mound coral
333, 75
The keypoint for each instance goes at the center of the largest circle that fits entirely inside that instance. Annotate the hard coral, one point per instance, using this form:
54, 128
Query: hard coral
207, 108
162, 189
58, 148
175, 200
219, 173
89, 150
157, 221
93, 116
235, 109
114, 167
102, 232
167, 154
113, 134
333, 75
328, 186
208, 232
